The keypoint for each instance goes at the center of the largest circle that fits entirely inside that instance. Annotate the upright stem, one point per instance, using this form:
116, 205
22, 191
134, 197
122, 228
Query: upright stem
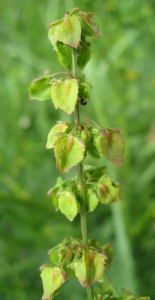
81, 182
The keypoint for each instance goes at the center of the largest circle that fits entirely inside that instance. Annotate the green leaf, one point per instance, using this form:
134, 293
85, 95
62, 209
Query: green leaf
94, 173
91, 199
54, 191
57, 253
84, 56
89, 25
109, 254
108, 191
68, 204
84, 88
60, 127
91, 272
108, 291
144, 298
40, 88
111, 144
93, 149
67, 30
55, 198
69, 151
70, 270
52, 279
64, 94
127, 295
64, 55
93, 146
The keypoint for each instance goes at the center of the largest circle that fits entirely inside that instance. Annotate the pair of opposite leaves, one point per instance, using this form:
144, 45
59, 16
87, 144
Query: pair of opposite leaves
54, 277
72, 27
64, 94
70, 150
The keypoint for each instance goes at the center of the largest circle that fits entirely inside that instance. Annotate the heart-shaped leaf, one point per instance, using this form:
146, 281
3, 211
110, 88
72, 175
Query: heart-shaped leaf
60, 127
52, 279
111, 143
91, 271
40, 88
89, 25
64, 94
68, 204
69, 151
108, 191
67, 30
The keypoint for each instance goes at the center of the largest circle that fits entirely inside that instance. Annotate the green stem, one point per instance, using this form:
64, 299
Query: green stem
81, 183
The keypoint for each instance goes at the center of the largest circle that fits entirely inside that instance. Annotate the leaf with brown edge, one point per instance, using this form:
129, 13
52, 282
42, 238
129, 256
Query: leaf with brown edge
69, 151
109, 252
52, 279
108, 191
67, 30
89, 25
112, 145
64, 95
90, 267
60, 127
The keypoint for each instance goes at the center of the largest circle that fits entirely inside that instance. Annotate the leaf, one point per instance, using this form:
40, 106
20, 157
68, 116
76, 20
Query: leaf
108, 191
111, 144
54, 191
68, 204
40, 88
94, 173
127, 295
69, 151
109, 254
55, 198
94, 271
91, 199
108, 290
60, 127
67, 30
84, 56
64, 94
144, 298
93, 146
89, 25
84, 88
52, 279
57, 254
64, 55
93, 149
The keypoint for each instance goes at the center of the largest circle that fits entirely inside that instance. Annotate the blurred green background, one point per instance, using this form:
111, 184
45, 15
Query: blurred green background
122, 73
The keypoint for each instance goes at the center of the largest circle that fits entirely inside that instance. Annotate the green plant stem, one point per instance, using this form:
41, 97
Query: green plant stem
81, 184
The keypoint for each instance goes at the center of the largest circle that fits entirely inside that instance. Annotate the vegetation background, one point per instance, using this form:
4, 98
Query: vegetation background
122, 73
